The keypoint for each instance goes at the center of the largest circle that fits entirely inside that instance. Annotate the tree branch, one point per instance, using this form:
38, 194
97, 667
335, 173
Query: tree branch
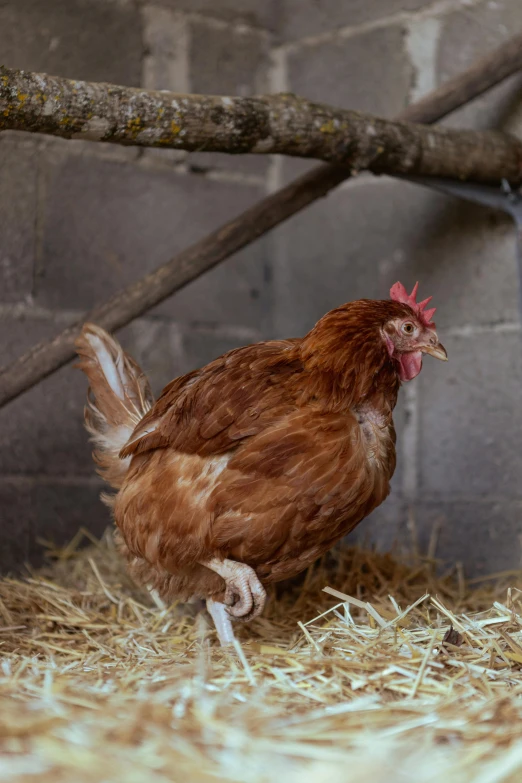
45, 358
282, 124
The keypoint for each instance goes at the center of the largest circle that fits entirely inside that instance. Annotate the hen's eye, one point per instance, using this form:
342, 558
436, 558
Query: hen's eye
408, 328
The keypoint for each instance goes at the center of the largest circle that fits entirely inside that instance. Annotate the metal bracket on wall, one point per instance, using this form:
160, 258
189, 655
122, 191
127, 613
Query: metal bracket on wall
500, 197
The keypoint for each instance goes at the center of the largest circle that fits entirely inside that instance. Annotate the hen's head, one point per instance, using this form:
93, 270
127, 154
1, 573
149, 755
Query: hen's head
410, 332
362, 338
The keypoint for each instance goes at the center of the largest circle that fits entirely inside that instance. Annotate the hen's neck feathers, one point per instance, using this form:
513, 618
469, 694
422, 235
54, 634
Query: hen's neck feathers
347, 360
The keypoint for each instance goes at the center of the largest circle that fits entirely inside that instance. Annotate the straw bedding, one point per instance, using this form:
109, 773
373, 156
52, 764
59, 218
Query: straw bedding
394, 675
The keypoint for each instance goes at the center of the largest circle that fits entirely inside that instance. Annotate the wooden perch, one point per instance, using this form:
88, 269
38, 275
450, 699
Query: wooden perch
282, 124
47, 357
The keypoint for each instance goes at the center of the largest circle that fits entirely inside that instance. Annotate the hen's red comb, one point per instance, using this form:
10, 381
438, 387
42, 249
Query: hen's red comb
399, 294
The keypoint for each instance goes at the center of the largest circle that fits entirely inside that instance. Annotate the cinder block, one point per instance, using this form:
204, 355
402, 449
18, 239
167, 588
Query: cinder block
359, 240
325, 256
166, 36
16, 531
484, 536
165, 64
108, 223
203, 346
225, 61
42, 431
464, 255
18, 205
53, 512
465, 36
368, 72
471, 419
249, 12
302, 18
190, 55
386, 528
80, 39
156, 344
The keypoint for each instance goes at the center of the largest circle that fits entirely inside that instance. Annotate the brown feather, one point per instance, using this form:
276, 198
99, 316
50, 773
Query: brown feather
268, 455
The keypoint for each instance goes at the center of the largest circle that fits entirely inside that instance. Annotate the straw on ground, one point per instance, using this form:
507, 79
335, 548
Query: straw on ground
396, 675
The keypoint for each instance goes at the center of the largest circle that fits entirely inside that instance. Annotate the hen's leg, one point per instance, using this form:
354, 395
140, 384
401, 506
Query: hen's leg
157, 598
222, 621
245, 595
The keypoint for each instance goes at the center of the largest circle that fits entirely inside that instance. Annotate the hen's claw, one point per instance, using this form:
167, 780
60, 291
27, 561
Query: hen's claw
245, 596
248, 596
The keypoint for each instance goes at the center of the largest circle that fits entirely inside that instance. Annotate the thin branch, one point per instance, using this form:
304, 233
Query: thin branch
284, 124
45, 358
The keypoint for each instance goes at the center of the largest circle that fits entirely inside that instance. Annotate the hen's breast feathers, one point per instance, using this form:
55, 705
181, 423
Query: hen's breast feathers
230, 461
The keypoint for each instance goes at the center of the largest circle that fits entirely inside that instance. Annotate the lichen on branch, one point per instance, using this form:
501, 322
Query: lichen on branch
283, 124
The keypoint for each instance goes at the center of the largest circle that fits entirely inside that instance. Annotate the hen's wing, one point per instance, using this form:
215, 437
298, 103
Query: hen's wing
292, 491
209, 411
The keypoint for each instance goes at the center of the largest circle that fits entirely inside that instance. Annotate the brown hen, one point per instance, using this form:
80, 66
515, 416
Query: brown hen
247, 470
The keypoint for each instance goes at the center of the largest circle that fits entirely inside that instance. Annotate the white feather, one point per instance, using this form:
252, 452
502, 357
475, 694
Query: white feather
107, 364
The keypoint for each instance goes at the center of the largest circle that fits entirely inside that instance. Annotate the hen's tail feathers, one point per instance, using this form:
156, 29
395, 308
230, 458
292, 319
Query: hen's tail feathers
119, 396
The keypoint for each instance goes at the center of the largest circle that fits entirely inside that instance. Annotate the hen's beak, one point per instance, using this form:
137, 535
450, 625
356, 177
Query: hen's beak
437, 351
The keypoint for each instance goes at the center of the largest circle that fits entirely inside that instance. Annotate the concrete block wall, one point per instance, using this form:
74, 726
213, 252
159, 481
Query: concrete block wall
79, 220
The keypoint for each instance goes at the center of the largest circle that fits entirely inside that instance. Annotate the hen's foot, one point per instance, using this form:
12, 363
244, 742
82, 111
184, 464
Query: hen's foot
245, 596
222, 621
